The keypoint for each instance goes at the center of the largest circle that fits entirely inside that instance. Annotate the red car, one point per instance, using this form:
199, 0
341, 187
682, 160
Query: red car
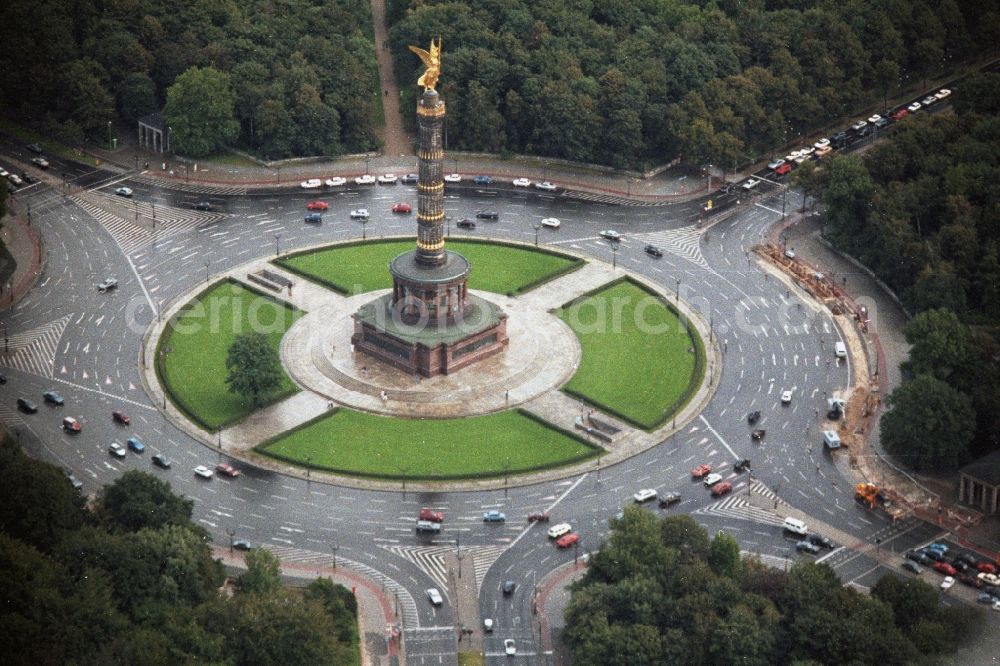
986, 567
317, 205
568, 540
228, 470
402, 208
783, 169
971, 581
120, 417
945, 568
701, 470
431, 515
900, 114
542, 517
721, 488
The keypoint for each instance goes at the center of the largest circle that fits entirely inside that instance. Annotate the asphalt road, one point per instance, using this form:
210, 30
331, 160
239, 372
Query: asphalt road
86, 344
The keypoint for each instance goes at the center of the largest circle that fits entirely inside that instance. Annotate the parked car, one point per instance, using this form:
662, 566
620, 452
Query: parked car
823, 152
947, 583
317, 205
71, 425
203, 472
494, 516
669, 499
402, 207
927, 101
839, 140
945, 568
940, 547
971, 581
989, 579
359, 214
912, 567
774, 164
611, 235
336, 181
488, 215
227, 470
750, 183
960, 565
782, 170
941, 94
712, 479
242, 544
568, 541
858, 125
721, 488
986, 567
701, 470
313, 218
135, 444
644, 495
35, 148
653, 251
465, 223
431, 515
435, 596
546, 186
551, 222
160, 460
108, 284
453, 178
822, 143
124, 192
387, 179
987, 598
311, 184
26, 406
935, 555
40, 162
913, 108
366, 179
806, 547
483, 180
117, 450
53, 398
918, 557
521, 182
900, 113
120, 418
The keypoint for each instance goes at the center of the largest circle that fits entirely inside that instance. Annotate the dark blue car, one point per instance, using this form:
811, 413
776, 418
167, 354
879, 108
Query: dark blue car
136, 444
483, 180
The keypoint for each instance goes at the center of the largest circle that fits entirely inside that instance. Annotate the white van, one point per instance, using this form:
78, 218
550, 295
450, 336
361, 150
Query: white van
839, 349
831, 439
795, 526
559, 530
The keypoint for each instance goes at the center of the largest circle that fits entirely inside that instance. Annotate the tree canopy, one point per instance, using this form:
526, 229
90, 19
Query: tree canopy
659, 591
254, 367
135, 583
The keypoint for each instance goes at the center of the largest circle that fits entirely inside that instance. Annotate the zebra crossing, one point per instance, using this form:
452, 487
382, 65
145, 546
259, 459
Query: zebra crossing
483, 558
407, 606
196, 188
611, 199
740, 507
136, 225
683, 242
429, 559
34, 351
9, 417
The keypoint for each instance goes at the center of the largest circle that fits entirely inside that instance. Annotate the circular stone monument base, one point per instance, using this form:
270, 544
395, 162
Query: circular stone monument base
542, 355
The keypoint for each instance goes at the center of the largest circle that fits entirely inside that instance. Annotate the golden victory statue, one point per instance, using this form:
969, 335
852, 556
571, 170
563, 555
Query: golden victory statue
432, 60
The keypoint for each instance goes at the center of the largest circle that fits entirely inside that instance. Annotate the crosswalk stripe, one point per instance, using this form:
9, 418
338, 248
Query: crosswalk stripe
738, 506
611, 199
483, 558
34, 351
683, 242
408, 607
9, 417
198, 188
429, 559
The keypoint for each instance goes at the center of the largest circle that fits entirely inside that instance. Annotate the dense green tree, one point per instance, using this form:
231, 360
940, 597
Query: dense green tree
253, 366
930, 425
200, 112
137, 500
137, 96
263, 574
724, 555
941, 345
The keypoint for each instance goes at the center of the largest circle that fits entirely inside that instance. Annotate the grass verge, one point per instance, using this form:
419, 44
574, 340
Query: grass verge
362, 444
641, 362
191, 354
354, 268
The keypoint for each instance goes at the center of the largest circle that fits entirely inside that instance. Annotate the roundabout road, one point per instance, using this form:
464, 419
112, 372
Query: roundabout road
68, 336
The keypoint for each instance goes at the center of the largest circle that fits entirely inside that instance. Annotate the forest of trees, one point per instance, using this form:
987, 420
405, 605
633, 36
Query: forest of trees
291, 77
132, 581
921, 209
635, 82
660, 591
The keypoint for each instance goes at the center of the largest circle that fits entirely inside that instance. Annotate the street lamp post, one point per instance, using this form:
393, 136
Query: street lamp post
364, 228
506, 475
677, 293
334, 548
536, 227
614, 256
109, 135
277, 247
231, 534
206, 270
448, 221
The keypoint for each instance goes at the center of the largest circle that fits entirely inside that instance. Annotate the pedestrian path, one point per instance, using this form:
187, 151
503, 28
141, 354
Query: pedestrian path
194, 188
34, 351
10, 418
739, 507
684, 243
564, 289
429, 559
407, 606
612, 199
